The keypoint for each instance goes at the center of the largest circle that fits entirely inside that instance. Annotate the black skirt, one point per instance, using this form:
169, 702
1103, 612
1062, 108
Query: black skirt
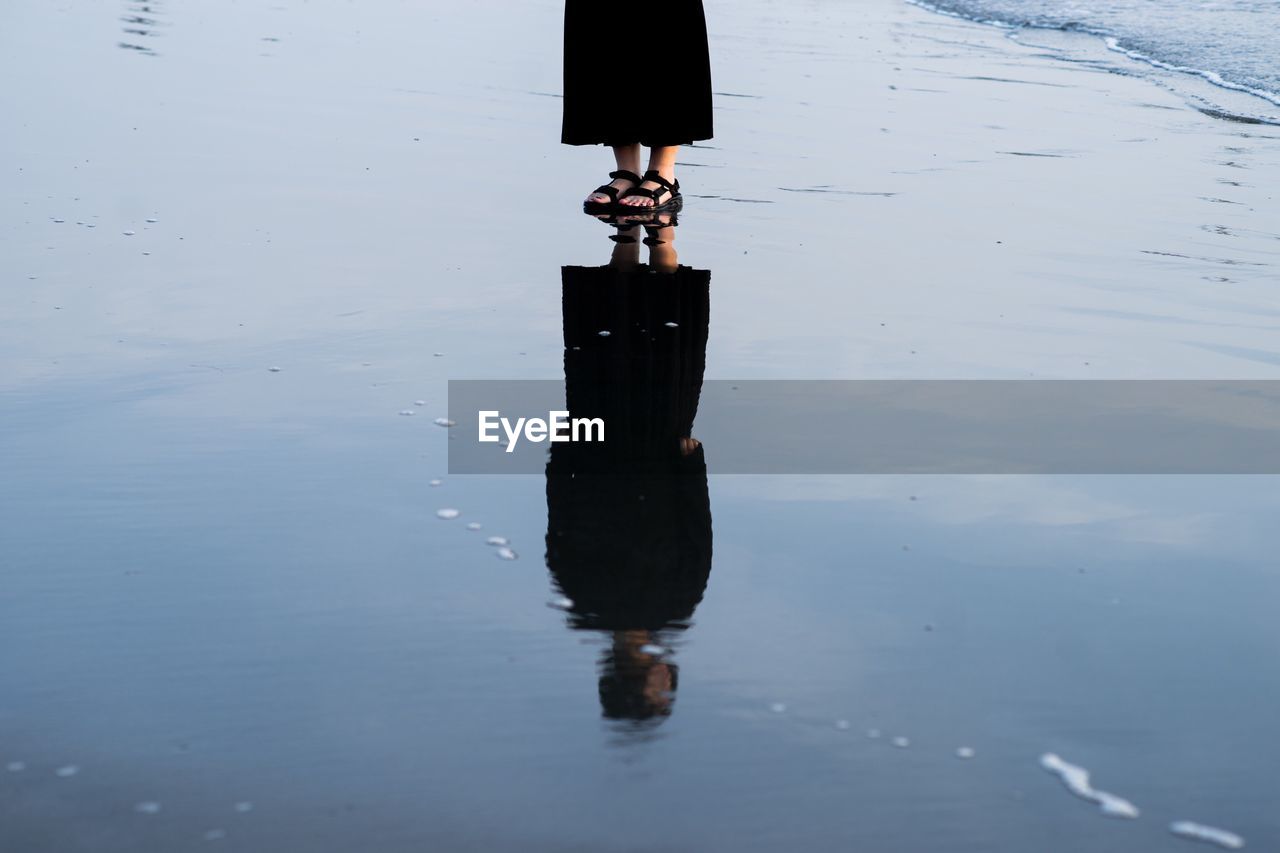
607, 98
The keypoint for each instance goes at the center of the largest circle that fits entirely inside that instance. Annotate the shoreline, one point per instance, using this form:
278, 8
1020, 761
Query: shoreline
1148, 63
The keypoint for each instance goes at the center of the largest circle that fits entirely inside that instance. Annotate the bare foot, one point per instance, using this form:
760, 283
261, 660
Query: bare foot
662, 193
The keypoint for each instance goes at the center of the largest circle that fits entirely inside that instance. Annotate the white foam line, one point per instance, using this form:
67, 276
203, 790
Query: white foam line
1077, 781
1200, 832
1213, 77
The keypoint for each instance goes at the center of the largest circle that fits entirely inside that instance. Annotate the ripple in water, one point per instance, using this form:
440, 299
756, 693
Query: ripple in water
1076, 780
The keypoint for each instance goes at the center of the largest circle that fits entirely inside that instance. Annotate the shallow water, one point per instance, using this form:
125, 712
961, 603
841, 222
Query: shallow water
228, 593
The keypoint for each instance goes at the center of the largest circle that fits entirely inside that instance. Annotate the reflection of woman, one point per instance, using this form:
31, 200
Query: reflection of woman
672, 106
629, 520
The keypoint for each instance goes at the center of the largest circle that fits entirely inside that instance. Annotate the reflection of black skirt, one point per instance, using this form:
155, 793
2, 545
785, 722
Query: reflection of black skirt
629, 520
608, 91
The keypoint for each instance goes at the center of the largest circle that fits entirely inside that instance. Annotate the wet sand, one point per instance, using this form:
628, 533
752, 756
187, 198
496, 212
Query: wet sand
225, 583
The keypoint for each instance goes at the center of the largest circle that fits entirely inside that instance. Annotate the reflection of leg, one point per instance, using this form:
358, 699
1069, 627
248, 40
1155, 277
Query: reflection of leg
662, 247
628, 159
626, 248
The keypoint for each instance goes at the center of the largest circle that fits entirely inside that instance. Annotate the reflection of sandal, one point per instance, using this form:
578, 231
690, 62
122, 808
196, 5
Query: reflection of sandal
611, 191
665, 188
649, 218
620, 237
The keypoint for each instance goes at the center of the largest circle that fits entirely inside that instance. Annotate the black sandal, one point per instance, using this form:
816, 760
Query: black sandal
671, 190
611, 192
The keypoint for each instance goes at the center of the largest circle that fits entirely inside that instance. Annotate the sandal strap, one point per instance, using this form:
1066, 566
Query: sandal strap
653, 177
641, 191
606, 189
630, 176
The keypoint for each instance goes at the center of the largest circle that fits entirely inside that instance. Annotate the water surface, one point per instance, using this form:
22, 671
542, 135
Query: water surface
227, 590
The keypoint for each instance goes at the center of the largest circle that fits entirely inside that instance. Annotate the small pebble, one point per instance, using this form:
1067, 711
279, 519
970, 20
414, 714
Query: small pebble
671, 325
68, 770
419, 402
448, 513
128, 233
474, 525
274, 369
153, 220
604, 334
147, 807
901, 742
444, 422
965, 752
497, 540
59, 221
435, 482
561, 603
507, 554
408, 413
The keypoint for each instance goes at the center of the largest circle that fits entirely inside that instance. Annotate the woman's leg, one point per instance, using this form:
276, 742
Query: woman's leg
628, 158
662, 160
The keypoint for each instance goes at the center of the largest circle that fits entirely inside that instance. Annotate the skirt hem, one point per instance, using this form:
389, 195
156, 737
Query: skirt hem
647, 143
